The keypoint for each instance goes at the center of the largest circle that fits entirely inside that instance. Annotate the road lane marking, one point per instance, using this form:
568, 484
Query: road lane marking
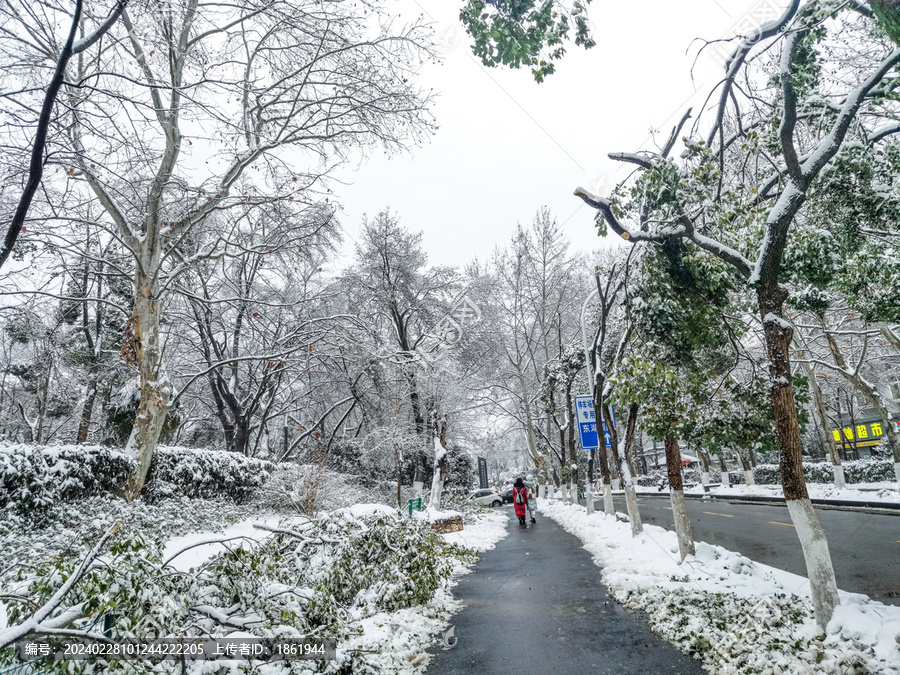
724, 515
772, 522
668, 507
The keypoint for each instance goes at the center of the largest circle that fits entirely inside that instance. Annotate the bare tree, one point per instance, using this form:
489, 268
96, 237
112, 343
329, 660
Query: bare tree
272, 97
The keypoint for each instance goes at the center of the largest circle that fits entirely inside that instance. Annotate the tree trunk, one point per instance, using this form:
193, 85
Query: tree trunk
676, 495
819, 408
630, 497
439, 475
705, 465
870, 391
156, 392
573, 454
419, 418
723, 467
823, 586
87, 413
745, 465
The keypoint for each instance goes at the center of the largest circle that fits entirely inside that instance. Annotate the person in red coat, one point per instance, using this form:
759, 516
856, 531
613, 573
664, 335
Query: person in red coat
520, 499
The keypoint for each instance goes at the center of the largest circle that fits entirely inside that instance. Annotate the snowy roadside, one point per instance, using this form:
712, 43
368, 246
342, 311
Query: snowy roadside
397, 641
734, 614
863, 492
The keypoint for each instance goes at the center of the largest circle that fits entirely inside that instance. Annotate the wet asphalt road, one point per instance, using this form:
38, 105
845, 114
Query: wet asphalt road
535, 604
865, 547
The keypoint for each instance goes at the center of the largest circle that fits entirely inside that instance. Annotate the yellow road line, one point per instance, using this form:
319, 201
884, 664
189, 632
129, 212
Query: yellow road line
772, 522
724, 515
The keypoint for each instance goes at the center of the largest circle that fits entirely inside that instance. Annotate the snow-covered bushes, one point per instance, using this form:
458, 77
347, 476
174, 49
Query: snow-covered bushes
34, 478
390, 563
205, 474
857, 471
321, 576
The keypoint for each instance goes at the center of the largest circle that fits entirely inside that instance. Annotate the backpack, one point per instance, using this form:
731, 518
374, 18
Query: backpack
519, 499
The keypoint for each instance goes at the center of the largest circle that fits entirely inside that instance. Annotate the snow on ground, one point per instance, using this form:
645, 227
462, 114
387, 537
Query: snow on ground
397, 641
734, 614
198, 547
859, 492
482, 532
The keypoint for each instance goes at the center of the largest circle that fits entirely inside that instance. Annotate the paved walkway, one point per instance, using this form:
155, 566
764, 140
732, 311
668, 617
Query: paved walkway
535, 604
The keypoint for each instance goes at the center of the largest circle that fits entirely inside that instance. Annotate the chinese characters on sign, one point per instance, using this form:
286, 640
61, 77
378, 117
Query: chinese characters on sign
587, 422
860, 435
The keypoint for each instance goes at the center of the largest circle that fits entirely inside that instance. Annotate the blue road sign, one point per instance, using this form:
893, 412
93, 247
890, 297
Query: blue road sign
587, 422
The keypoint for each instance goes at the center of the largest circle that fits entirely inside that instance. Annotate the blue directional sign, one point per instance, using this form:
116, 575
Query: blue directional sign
587, 422
606, 434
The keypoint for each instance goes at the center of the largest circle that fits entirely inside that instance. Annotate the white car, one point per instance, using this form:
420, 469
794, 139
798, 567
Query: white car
486, 497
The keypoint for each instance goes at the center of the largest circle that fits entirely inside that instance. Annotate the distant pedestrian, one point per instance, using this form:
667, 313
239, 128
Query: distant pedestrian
520, 499
531, 504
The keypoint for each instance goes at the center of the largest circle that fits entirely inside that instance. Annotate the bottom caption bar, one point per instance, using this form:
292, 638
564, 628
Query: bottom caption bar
187, 649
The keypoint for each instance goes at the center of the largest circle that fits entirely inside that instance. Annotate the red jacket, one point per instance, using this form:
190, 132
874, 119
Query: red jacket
520, 508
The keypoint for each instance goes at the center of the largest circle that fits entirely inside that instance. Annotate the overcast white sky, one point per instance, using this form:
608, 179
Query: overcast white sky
507, 145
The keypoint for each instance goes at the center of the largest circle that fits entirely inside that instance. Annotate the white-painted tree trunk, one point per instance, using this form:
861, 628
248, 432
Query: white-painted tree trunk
438, 475
748, 476
704, 477
573, 492
608, 507
725, 479
682, 523
897, 471
634, 513
615, 484
589, 500
839, 480
818, 559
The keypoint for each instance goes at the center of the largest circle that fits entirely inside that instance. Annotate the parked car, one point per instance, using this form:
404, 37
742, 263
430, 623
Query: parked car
506, 495
486, 497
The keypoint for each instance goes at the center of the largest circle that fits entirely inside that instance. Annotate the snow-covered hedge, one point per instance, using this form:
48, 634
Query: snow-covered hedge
205, 474
857, 471
33, 478
692, 475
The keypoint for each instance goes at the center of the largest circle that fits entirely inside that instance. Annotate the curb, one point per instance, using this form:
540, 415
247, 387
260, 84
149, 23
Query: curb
891, 508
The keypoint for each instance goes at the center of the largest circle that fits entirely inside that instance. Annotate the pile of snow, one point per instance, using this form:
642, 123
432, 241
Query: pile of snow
190, 551
734, 614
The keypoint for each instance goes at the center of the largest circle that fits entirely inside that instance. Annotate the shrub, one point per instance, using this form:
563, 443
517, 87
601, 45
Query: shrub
857, 471
205, 474
319, 576
391, 562
33, 479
